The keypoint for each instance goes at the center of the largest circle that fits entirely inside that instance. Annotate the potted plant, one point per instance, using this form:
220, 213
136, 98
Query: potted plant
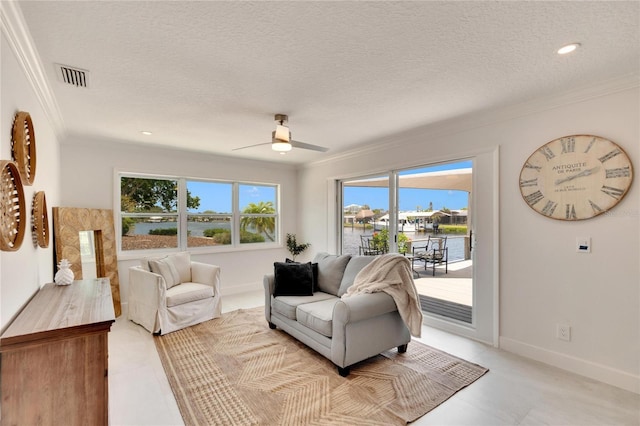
293, 246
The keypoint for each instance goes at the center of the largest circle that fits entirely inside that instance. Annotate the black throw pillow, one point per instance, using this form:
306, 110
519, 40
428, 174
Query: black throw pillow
293, 279
314, 266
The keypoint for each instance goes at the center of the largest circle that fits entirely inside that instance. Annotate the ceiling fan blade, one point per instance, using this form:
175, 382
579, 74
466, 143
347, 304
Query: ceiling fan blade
251, 146
298, 144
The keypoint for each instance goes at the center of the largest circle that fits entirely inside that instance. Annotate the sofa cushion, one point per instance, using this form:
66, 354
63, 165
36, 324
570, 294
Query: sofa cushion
188, 292
293, 279
167, 269
286, 305
353, 267
318, 316
330, 271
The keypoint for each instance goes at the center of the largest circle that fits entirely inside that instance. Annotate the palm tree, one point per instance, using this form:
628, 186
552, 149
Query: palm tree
262, 225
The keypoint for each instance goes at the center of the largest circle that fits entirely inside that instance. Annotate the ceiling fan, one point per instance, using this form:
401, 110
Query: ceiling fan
281, 138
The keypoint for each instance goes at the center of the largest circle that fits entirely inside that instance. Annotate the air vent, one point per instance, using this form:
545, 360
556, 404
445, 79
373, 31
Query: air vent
73, 76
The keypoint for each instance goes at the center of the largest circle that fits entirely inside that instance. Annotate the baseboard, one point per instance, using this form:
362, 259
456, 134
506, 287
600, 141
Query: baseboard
592, 370
243, 288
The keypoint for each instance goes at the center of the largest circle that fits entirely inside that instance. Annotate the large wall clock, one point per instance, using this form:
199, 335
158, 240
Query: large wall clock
575, 177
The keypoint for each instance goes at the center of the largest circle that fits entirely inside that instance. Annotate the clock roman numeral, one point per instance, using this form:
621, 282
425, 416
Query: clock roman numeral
546, 151
549, 208
531, 166
533, 198
610, 155
570, 211
528, 182
619, 172
596, 208
568, 145
590, 145
612, 192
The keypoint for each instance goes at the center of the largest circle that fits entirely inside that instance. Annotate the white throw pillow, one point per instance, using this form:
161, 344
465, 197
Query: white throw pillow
182, 262
167, 269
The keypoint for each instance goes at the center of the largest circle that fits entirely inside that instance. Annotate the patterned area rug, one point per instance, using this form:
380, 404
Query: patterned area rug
234, 370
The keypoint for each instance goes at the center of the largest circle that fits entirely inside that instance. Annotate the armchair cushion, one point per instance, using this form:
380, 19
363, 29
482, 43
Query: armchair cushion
174, 268
166, 268
293, 279
188, 292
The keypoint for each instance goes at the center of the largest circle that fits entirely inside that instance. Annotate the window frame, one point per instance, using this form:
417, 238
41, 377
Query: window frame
183, 214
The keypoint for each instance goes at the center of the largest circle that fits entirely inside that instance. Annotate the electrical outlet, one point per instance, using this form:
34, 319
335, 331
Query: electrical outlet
563, 332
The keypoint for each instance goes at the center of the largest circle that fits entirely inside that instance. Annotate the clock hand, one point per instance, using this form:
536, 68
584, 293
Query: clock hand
582, 173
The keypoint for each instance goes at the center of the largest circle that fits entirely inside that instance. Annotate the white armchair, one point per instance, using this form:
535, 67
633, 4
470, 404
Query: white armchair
170, 293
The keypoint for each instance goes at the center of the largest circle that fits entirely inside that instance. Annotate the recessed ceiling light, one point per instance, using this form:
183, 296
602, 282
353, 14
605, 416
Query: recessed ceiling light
568, 48
146, 133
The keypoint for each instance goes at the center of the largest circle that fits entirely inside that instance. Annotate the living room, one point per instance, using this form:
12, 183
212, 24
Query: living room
531, 274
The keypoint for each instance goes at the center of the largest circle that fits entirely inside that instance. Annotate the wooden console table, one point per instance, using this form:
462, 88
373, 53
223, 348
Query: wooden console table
54, 357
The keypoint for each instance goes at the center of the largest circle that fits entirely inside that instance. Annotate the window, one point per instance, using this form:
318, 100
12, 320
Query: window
180, 213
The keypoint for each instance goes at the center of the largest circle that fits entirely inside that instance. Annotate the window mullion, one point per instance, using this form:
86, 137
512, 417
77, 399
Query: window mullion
235, 219
182, 213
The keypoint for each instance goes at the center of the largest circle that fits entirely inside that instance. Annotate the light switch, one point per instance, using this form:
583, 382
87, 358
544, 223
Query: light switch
583, 245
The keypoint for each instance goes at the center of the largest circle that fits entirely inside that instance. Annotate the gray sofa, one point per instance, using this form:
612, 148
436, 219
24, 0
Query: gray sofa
345, 331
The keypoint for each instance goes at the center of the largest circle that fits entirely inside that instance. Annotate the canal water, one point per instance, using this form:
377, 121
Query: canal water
351, 243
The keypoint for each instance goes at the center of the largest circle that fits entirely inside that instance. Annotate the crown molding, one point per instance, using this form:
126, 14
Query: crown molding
474, 120
17, 33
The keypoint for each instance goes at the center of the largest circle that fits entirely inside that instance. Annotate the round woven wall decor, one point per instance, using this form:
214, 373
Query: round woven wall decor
40, 220
24, 147
12, 207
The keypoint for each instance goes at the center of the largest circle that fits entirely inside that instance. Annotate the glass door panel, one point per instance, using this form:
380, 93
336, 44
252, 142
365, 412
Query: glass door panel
365, 215
434, 232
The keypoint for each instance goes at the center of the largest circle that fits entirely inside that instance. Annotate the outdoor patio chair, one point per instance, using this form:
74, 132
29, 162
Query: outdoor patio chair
368, 246
438, 254
419, 250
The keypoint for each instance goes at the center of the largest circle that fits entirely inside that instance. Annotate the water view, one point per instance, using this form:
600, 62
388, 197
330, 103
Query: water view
351, 242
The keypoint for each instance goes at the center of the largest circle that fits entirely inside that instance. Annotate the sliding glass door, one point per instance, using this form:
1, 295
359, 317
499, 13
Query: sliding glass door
422, 213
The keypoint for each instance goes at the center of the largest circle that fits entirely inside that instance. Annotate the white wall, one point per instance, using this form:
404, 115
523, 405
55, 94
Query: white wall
543, 281
87, 179
24, 271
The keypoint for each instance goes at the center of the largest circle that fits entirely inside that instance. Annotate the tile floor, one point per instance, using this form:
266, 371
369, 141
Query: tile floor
516, 391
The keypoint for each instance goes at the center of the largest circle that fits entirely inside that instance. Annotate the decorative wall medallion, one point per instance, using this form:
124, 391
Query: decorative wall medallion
24, 147
12, 207
576, 177
40, 220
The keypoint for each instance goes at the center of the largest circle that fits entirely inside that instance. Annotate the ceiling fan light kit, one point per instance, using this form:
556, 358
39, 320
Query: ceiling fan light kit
281, 139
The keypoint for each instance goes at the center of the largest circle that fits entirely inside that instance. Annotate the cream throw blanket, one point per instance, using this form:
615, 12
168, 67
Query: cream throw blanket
392, 274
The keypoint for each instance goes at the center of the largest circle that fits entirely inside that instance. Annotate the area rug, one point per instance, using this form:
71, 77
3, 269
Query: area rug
234, 370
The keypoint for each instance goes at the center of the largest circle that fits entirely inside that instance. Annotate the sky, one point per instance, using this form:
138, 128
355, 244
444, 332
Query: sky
218, 196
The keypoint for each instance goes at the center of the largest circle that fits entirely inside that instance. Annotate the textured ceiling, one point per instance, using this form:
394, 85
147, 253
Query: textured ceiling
209, 76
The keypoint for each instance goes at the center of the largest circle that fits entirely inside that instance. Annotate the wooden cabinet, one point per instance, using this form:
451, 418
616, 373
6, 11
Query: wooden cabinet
54, 357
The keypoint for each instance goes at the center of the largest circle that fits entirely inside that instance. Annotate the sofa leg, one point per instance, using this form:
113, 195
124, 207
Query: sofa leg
272, 325
402, 348
344, 371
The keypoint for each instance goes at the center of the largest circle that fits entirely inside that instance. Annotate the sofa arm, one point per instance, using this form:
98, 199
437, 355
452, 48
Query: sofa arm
269, 287
269, 282
204, 273
362, 306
